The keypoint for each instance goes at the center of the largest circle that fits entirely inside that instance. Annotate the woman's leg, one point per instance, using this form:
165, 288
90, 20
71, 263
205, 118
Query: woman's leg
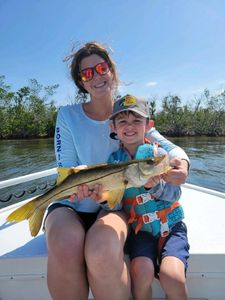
66, 275
172, 278
142, 275
108, 274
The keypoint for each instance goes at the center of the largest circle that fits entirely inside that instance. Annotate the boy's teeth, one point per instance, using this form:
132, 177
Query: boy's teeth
129, 134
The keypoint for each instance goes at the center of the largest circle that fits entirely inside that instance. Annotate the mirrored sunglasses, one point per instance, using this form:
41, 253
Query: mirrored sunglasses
88, 73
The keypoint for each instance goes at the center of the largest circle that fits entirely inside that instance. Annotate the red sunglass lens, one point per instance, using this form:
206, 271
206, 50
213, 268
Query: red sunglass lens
87, 74
102, 68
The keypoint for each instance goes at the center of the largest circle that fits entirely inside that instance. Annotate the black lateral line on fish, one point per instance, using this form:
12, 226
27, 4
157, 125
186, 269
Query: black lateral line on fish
103, 176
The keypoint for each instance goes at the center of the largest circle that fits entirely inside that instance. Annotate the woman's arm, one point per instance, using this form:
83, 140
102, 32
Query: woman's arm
179, 173
173, 150
65, 152
178, 158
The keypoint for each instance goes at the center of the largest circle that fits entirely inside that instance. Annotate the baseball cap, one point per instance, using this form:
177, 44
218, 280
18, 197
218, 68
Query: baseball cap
131, 103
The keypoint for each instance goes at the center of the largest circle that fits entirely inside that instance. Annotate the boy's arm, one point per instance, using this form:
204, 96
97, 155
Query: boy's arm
166, 191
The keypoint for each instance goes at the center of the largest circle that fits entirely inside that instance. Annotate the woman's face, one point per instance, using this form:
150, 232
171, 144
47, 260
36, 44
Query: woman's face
99, 85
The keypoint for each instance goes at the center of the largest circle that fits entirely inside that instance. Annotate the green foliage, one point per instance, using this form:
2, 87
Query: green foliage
206, 117
26, 113
152, 107
30, 112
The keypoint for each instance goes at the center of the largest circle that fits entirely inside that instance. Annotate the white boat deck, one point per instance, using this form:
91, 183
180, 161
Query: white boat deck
23, 258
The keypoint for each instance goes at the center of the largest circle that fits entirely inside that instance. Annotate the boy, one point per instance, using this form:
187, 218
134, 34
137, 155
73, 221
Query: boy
157, 234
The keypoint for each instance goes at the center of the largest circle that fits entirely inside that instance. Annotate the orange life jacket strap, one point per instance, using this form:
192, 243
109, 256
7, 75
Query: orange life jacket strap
164, 212
161, 214
133, 203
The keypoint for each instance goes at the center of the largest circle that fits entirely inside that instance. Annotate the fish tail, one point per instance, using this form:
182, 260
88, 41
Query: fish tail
23, 212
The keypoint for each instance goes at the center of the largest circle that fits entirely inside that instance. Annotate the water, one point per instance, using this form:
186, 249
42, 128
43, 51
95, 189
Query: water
21, 157
207, 160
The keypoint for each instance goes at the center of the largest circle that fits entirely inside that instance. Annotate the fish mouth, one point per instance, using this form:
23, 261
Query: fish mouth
145, 167
153, 166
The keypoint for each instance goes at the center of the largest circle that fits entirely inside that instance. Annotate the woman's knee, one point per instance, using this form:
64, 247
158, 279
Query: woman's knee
98, 250
103, 251
65, 241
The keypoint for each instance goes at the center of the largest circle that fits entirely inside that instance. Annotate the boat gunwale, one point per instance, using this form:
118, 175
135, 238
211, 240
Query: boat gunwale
53, 171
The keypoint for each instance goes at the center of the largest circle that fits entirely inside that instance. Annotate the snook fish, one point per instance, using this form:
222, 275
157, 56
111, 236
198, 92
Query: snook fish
115, 178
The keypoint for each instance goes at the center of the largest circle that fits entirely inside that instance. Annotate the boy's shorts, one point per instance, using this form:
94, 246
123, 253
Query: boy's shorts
87, 219
144, 244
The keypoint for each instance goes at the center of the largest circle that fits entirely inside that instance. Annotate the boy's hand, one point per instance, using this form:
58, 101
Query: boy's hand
152, 181
179, 173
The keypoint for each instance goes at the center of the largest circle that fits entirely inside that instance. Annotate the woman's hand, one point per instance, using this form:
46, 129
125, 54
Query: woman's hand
179, 173
83, 191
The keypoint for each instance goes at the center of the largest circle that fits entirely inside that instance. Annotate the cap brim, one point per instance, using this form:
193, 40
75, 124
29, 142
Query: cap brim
130, 109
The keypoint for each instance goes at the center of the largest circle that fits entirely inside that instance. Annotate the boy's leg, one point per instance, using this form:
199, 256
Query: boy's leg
172, 278
142, 274
142, 249
107, 271
173, 263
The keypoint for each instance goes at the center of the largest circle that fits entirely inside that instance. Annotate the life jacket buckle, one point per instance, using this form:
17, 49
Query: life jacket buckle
150, 217
143, 198
164, 229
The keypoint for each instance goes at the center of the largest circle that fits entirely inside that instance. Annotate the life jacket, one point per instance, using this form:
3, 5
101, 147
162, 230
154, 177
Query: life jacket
150, 214
147, 212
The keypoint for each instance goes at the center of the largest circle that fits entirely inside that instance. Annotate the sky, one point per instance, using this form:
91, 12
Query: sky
161, 47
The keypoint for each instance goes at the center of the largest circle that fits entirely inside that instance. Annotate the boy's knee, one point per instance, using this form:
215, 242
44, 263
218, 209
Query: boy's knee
172, 281
142, 269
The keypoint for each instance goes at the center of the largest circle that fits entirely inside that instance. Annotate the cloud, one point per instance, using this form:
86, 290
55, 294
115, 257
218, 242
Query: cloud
152, 83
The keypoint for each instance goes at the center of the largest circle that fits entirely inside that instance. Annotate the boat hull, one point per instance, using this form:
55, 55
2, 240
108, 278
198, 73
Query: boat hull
23, 259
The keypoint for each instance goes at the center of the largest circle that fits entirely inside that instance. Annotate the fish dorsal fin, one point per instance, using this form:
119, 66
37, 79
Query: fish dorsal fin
113, 197
63, 173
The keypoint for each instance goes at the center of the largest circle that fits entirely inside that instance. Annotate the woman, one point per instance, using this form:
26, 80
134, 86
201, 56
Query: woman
85, 242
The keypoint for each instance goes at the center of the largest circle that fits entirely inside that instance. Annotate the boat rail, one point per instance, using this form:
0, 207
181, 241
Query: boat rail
53, 171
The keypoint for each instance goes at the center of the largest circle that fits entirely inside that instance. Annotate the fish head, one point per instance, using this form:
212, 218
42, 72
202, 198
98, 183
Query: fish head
140, 171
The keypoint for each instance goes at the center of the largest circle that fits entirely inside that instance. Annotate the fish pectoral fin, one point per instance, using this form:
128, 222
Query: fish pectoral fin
35, 221
113, 197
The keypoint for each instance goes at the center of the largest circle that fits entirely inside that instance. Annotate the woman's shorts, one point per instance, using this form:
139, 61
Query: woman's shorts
87, 219
144, 244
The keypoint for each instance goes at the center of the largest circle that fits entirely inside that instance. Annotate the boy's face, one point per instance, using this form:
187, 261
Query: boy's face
130, 128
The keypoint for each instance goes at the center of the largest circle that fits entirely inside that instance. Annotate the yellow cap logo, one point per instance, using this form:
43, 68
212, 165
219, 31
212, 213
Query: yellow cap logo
129, 100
